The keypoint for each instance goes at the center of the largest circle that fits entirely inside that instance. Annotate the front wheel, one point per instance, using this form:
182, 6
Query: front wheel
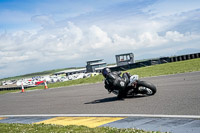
146, 88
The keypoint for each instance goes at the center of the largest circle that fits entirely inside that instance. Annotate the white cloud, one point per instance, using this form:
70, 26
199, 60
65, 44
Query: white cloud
151, 39
178, 37
68, 44
124, 42
174, 36
98, 38
91, 30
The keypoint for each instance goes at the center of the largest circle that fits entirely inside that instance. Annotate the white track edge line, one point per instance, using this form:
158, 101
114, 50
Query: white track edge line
105, 115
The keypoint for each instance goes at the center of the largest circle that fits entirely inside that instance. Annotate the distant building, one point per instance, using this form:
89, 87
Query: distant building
92, 66
71, 71
95, 65
124, 59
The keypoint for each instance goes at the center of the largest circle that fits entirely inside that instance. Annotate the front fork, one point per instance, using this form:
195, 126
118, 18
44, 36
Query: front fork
134, 84
134, 87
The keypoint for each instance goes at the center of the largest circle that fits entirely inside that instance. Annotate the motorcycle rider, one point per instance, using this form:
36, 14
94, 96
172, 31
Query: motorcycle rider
113, 80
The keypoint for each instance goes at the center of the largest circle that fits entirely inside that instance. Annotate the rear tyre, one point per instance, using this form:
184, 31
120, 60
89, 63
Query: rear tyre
146, 88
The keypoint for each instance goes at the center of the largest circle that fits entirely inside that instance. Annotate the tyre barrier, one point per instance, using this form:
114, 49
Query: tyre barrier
184, 57
2, 88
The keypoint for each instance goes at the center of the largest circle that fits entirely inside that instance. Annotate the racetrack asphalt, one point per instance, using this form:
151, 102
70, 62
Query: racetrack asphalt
175, 107
176, 95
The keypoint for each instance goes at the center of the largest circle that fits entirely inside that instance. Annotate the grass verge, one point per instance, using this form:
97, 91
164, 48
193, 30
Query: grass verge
155, 70
168, 68
45, 128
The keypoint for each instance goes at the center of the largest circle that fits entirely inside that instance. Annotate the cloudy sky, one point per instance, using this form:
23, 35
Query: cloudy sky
38, 35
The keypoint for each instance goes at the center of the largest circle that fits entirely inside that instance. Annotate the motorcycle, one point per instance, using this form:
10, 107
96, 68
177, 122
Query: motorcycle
136, 87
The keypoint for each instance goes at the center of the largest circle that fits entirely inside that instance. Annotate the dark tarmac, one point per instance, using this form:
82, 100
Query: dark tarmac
177, 95
174, 108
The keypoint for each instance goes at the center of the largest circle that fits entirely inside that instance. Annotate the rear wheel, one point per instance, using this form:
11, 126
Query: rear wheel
146, 88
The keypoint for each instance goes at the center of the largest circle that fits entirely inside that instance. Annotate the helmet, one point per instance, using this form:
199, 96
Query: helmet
106, 71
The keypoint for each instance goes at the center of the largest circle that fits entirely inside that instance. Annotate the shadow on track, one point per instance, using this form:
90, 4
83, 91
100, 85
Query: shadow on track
112, 99
104, 100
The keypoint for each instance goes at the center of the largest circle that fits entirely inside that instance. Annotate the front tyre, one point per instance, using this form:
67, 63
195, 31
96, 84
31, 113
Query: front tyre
146, 88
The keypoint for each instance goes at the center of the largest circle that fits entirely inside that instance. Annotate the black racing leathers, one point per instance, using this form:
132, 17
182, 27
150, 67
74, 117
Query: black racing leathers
114, 81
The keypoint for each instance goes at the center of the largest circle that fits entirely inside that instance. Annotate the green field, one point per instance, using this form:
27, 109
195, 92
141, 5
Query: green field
168, 68
45, 128
155, 70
